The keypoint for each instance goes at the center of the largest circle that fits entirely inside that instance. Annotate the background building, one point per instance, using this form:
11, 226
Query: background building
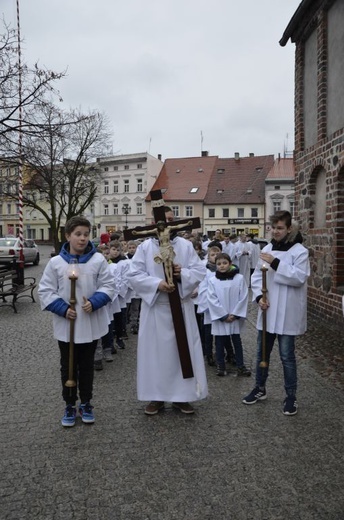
279, 190
235, 200
126, 180
184, 183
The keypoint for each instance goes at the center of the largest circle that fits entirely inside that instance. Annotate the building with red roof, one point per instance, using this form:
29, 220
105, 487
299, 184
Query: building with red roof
235, 200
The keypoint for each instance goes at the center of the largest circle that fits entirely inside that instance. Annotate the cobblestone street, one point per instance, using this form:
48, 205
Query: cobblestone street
226, 462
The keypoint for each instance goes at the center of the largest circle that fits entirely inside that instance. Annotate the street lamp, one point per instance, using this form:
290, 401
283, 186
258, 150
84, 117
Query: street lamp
126, 209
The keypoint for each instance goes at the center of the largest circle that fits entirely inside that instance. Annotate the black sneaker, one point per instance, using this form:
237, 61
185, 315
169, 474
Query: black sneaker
243, 371
120, 344
221, 371
290, 406
256, 395
98, 364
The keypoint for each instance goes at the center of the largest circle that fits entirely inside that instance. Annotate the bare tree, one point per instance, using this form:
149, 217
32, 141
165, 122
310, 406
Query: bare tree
61, 174
16, 95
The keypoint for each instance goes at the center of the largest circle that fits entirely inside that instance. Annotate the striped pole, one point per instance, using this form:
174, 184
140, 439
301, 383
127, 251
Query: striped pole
20, 148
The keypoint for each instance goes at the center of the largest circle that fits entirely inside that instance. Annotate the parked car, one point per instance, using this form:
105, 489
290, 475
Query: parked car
10, 247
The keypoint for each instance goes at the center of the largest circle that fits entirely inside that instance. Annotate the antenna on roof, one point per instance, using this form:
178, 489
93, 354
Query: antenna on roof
150, 141
201, 142
285, 147
287, 153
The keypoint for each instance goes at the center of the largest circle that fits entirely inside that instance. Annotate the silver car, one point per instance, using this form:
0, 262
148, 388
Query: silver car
10, 247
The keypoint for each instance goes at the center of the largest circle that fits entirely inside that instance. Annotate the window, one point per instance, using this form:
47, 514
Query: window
225, 212
0, 209
320, 200
115, 186
292, 208
106, 187
126, 166
189, 211
106, 209
139, 208
115, 168
106, 169
175, 210
9, 209
0, 188
211, 212
277, 187
139, 166
194, 190
115, 209
276, 205
254, 212
241, 212
126, 186
139, 185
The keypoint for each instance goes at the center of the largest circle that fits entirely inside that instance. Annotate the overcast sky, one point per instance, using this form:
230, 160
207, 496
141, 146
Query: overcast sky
165, 71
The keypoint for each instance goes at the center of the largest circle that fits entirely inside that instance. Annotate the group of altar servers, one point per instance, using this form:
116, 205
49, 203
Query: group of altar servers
159, 375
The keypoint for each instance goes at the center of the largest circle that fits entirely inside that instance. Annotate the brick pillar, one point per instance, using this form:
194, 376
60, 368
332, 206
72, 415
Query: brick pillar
322, 60
299, 101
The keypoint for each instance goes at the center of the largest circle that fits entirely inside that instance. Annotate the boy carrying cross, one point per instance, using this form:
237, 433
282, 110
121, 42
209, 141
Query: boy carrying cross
159, 373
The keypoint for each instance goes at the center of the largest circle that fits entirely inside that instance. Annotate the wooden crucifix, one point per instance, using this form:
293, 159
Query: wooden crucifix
162, 231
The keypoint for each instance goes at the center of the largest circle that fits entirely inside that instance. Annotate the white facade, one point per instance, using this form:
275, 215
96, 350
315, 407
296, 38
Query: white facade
126, 181
279, 196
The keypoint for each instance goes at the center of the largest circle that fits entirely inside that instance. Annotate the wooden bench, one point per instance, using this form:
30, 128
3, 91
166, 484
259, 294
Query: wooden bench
9, 286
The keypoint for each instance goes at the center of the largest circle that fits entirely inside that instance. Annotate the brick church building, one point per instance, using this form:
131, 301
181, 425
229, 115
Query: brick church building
316, 28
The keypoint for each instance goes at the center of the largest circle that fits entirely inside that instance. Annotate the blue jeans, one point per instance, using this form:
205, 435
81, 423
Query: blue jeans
221, 344
287, 354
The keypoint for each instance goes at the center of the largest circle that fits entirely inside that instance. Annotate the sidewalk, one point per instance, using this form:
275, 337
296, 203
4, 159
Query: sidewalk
227, 462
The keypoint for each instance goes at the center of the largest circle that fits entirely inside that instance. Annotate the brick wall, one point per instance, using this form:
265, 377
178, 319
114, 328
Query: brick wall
326, 244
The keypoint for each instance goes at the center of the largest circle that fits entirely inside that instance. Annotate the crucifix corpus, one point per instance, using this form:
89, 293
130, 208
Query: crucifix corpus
162, 231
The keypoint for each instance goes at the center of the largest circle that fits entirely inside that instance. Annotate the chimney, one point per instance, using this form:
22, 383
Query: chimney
251, 154
236, 156
159, 156
205, 153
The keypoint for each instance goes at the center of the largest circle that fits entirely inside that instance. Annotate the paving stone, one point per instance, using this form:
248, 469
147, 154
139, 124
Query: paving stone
228, 461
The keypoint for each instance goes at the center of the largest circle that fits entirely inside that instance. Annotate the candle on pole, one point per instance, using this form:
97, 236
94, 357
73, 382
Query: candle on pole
264, 363
73, 274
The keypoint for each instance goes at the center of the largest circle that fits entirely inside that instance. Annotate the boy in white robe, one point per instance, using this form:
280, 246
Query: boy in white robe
285, 306
159, 374
120, 318
243, 254
94, 289
227, 300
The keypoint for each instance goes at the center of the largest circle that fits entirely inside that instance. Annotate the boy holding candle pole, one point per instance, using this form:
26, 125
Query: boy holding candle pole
94, 288
285, 305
